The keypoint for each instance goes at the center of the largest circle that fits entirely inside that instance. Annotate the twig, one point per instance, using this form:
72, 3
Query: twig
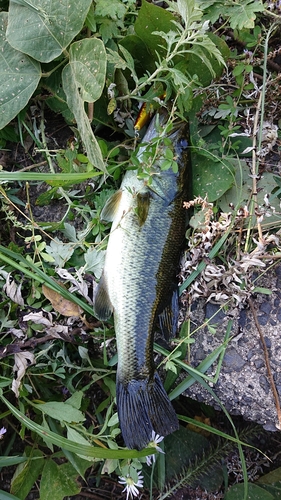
267, 363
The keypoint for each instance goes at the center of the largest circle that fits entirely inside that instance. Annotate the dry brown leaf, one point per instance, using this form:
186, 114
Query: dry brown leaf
22, 361
63, 306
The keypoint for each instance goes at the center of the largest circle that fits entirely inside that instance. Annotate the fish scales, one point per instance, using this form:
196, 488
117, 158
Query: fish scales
139, 275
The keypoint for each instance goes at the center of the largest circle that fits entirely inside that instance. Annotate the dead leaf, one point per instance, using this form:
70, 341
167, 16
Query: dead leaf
13, 291
63, 306
39, 319
22, 361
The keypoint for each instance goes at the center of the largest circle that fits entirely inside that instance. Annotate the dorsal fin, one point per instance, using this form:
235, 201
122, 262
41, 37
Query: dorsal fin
110, 208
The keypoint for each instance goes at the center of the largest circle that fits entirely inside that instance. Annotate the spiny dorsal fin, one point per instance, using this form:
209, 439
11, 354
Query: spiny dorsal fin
110, 208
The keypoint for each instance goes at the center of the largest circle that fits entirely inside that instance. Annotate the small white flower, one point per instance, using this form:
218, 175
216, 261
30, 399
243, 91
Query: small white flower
155, 440
131, 487
3, 430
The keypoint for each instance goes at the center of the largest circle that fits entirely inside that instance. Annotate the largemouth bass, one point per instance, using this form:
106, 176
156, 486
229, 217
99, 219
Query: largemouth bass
139, 286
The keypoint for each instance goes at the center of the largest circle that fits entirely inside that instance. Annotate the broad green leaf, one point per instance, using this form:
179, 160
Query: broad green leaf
83, 80
87, 59
272, 477
75, 400
139, 51
211, 177
58, 481
241, 191
27, 473
152, 18
196, 66
236, 492
79, 464
44, 28
19, 77
61, 411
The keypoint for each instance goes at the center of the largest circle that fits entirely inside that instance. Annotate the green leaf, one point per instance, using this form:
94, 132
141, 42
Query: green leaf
7, 496
196, 66
13, 460
75, 436
236, 492
58, 481
245, 14
113, 9
211, 177
87, 86
19, 77
75, 400
61, 411
240, 192
87, 59
272, 477
56, 179
57, 100
46, 29
27, 473
139, 51
62, 442
152, 18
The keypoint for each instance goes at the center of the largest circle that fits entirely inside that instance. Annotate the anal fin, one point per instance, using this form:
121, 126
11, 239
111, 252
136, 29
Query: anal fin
168, 317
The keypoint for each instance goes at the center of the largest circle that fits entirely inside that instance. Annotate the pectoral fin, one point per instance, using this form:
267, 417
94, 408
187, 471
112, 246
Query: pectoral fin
143, 202
110, 208
102, 305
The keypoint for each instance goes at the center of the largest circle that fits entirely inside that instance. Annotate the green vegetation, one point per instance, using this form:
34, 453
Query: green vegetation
92, 63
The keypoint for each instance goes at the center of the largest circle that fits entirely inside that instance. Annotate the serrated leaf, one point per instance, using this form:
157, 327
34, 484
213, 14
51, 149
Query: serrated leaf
19, 77
45, 30
27, 473
113, 9
63, 481
61, 252
244, 15
94, 260
61, 411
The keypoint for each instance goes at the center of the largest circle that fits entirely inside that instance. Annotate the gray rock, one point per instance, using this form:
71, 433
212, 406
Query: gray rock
243, 385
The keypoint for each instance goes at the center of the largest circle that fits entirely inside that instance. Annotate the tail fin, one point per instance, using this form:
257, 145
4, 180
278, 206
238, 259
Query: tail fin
143, 406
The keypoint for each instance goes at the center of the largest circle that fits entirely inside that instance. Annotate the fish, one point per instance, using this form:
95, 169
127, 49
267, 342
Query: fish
139, 286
